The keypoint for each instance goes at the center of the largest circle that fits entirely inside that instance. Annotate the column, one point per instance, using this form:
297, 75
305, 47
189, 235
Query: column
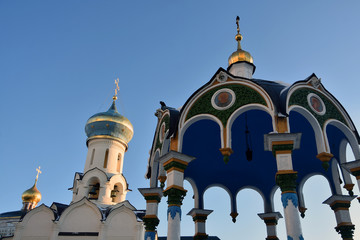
340, 205
282, 144
199, 216
151, 220
174, 164
271, 220
354, 168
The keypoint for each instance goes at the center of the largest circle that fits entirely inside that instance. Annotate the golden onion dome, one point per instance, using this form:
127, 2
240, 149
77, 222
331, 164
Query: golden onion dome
32, 194
240, 55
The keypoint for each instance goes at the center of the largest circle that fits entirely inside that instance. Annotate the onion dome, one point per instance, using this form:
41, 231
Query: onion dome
110, 124
32, 195
239, 55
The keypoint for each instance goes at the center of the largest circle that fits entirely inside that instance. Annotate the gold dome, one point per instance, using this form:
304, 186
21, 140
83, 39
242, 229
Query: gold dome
32, 194
240, 55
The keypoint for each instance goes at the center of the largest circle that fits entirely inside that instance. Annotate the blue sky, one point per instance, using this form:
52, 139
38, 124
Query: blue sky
59, 59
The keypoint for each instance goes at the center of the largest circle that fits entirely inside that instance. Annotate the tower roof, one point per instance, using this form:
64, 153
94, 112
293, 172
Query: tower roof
111, 124
32, 195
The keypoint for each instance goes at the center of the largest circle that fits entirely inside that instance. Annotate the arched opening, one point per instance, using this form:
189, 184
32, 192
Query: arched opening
219, 222
116, 193
249, 204
316, 190
93, 188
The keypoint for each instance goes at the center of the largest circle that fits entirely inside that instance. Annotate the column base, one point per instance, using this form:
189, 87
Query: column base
272, 238
200, 236
346, 231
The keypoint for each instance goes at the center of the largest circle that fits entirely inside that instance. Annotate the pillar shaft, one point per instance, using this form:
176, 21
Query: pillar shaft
199, 216
271, 220
340, 205
174, 164
151, 220
282, 144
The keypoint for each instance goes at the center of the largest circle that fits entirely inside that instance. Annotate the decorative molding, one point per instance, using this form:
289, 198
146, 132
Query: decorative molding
300, 98
172, 210
346, 231
244, 95
285, 197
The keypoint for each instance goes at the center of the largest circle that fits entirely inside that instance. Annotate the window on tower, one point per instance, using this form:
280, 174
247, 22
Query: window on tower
92, 156
106, 158
118, 162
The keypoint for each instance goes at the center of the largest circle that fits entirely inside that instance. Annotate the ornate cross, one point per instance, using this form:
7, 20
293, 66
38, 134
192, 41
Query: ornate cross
116, 87
38, 172
237, 23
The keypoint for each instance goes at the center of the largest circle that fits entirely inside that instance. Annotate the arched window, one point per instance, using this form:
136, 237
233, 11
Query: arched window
92, 156
106, 158
118, 162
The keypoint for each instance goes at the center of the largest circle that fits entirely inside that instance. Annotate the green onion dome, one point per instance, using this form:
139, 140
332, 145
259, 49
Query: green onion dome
109, 124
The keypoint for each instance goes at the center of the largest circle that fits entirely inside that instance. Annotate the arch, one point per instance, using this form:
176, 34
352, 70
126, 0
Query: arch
196, 119
242, 110
349, 134
210, 86
121, 223
154, 165
321, 145
256, 190
37, 224
81, 216
195, 190
272, 196
302, 183
231, 197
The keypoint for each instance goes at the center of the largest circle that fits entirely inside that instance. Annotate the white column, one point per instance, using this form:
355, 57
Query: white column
199, 216
340, 205
271, 220
282, 144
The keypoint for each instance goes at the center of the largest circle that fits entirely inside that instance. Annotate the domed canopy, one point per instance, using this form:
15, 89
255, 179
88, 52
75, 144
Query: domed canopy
240, 55
110, 123
32, 194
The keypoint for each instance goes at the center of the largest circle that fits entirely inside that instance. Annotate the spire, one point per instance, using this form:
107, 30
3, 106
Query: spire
238, 36
241, 58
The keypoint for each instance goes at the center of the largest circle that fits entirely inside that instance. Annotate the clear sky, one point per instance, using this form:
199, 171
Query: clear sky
59, 59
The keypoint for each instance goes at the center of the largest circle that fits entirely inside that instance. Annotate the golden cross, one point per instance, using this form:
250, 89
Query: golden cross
237, 23
116, 86
38, 172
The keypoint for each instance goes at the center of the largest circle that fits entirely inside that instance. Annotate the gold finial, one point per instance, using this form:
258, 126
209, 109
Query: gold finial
38, 172
238, 36
116, 89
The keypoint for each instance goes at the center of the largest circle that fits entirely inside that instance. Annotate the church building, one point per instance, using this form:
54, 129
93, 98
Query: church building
99, 209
